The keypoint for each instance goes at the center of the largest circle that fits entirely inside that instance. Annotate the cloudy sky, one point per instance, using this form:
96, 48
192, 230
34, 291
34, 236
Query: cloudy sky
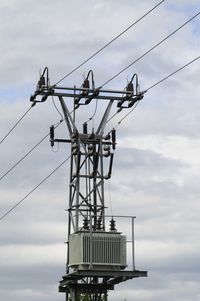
157, 163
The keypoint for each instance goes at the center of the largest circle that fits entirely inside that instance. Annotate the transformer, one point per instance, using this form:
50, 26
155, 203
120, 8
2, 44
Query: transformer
99, 251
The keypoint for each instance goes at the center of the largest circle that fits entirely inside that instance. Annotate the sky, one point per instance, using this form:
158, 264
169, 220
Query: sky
156, 167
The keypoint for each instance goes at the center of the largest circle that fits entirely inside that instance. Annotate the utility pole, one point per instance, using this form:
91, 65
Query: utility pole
96, 251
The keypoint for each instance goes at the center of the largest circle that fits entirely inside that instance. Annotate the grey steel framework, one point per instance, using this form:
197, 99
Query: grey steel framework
91, 165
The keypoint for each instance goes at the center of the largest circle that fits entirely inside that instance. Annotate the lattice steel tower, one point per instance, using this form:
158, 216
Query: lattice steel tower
96, 252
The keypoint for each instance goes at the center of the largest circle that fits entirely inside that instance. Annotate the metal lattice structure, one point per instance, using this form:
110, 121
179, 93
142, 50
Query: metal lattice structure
96, 255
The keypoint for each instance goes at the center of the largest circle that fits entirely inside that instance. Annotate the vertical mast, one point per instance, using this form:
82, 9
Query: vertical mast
96, 256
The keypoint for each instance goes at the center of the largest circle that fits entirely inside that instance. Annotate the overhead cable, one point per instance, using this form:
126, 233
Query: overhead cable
15, 125
26, 155
146, 90
171, 74
32, 190
107, 44
153, 86
148, 51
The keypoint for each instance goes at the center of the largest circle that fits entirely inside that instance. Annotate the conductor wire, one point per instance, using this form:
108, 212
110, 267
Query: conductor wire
26, 155
106, 45
32, 190
171, 74
16, 124
154, 85
151, 49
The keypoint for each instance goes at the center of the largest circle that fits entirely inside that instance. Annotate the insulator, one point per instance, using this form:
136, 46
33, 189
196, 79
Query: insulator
107, 137
85, 130
106, 148
92, 96
41, 81
86, 224
86, 84
75, 151
32, 98
132, 102
91, 136
74, 148
99, 224
52, 135
119, 104
140, 96
74, 135
106, 154
44, 98
113, 134
77, 99
112, 225
130, 87
91, 147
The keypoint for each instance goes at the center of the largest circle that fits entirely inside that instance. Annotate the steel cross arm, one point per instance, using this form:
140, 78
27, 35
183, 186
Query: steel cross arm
105, 97
90, 90
72, 95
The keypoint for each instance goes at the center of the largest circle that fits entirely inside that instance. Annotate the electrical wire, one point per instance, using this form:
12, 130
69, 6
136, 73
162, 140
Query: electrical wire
119, 122
171, 74
151, 49
15, 125
149, 88
95, 110
32, 190
153, 86
112, 117
110, 42
26, 155
57, 108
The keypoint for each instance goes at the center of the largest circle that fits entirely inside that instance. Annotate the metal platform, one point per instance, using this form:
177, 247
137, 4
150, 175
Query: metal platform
109, 278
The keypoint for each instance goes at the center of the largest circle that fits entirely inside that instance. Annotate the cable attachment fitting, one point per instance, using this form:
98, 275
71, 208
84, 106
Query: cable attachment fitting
52, 128
132, 94
109, 145
88, 91
44, 79
113, 225
43, 88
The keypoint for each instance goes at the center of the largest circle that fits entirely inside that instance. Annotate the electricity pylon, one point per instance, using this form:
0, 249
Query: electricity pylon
96, 255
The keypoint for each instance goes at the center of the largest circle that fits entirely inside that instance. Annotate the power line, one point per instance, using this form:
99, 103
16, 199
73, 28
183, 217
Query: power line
26, 155
151, 87
171, 74
15, 125
20, 160
95, 110
57, 108
107, 44
119, 122
30, 192
155, 46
